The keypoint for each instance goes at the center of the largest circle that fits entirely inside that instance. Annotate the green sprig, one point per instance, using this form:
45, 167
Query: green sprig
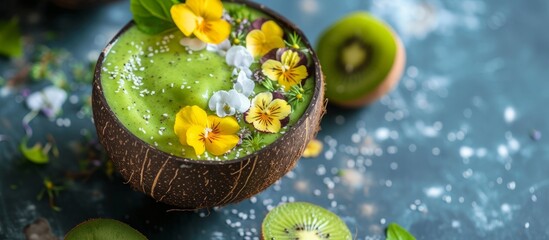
52, 191
253, 142
294, 41
268, 84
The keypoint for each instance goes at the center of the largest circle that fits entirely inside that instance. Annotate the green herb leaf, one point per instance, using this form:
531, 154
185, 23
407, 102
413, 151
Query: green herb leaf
34, 154
11, 43
396, 232
152, 16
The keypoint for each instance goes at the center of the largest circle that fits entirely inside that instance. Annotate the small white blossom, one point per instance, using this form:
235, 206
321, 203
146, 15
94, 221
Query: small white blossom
241, 58
227, 103
244, 84
49, 100
221, 48
193, 44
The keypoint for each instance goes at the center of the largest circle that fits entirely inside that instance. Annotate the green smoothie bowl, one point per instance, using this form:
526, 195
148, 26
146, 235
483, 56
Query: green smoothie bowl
206, 102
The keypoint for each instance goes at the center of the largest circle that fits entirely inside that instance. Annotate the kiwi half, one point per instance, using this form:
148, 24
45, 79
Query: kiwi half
362, 59
101, 229
303, 221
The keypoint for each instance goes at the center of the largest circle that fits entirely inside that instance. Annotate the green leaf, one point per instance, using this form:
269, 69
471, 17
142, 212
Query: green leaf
11, 42
34, 154
152, 16
396, 232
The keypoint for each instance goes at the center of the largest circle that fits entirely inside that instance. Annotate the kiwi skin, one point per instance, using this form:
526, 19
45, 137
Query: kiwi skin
375, 85
104, 228
318, 223
195, 184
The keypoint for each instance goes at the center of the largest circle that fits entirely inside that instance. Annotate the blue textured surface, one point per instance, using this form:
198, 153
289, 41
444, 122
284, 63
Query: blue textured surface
447, 154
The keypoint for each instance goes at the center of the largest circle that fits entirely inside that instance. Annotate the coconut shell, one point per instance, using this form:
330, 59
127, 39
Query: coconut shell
194, 184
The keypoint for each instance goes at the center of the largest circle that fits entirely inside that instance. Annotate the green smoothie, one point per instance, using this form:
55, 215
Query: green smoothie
147, 79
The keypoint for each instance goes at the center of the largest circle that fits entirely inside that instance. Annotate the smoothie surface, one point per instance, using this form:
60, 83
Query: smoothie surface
147, 79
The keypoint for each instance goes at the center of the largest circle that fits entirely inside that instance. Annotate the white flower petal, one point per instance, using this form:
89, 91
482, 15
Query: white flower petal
214, 100
239, 56
241, 102
35, 101
220, 49
194, 44
244, 104
49, 99
244, 84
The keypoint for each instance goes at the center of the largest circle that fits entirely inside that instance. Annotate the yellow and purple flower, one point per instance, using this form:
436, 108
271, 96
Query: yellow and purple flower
261, 41
288, 67
266, 113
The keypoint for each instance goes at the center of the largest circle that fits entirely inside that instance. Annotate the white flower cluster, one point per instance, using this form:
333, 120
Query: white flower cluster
48, 100
228, 103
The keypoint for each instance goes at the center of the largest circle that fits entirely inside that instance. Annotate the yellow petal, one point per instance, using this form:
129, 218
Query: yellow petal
255, 41
274, 126
313, 149
272, 42
270, 28
214, 9
222, 144
208, 9
279, 109
213, 31
293, 77
262, 100
272, 69
224, 126
187, 117
184, 18
290, 58
195, 139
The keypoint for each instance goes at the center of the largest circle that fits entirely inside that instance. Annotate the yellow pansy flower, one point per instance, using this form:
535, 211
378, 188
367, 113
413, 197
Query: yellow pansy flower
259, 42
206, 133
203, 19
266, 113
289, 70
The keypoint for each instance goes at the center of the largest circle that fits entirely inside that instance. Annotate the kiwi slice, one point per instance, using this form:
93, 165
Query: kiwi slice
362, 59
101, 229
303, 221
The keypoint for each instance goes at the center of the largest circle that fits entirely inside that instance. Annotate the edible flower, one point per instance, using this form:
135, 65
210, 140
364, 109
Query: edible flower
266, 114
206, 133
49, 101
244, 84
203, 19
193, 44
241, 58
261, 41
288, 67
227, 103
221, 49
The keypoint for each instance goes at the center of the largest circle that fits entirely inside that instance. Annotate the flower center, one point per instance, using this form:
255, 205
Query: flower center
207, 131
199, 21
285, 68
227, 108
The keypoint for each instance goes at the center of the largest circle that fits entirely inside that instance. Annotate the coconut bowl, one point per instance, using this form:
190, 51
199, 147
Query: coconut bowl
194, 184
